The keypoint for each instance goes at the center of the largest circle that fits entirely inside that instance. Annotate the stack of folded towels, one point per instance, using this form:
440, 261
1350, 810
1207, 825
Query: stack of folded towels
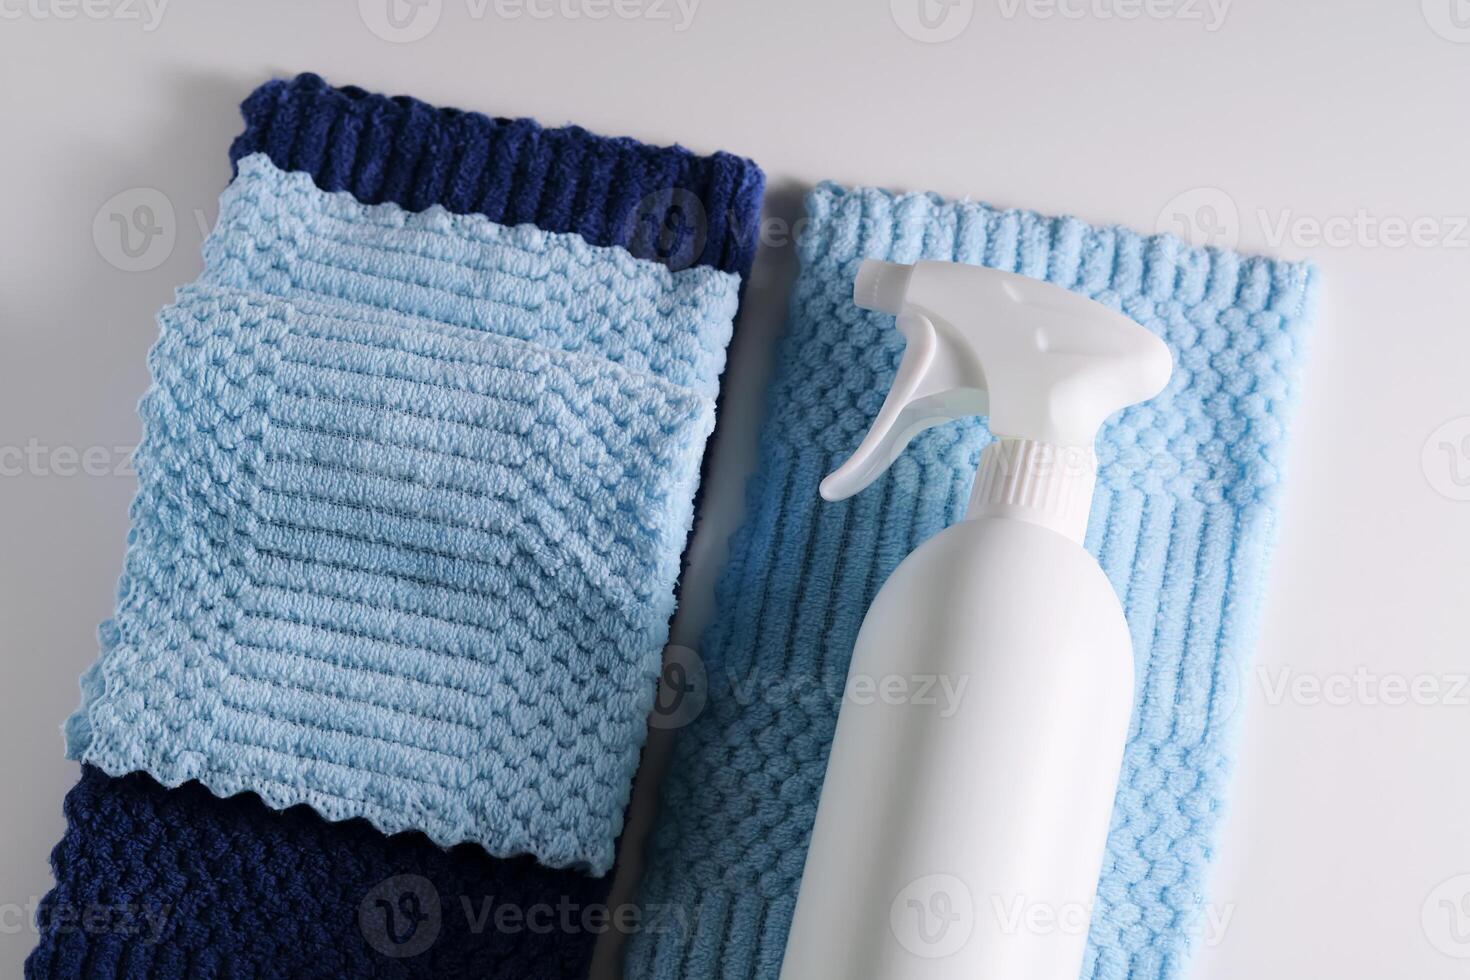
418, 466
419, 463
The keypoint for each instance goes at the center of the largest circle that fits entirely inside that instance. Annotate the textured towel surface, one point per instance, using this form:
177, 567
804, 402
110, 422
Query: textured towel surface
661, 203
396, 570
179, 884
278, 233
251, 891
1181, 524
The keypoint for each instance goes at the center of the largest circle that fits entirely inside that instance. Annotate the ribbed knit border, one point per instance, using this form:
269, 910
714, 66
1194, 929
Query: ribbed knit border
1181, 523
662, 203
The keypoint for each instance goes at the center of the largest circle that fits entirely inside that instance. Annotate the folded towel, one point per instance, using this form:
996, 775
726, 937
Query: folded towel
1181, 523
177, 884
661, 203
397, 570
253, 891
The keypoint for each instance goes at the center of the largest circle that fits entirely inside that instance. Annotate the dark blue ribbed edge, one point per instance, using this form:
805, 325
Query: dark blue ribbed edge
661, 203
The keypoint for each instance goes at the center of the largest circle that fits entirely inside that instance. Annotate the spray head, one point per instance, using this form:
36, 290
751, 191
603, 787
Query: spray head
1046, 365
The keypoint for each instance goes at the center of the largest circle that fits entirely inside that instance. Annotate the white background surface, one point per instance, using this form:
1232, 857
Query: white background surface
1349, 811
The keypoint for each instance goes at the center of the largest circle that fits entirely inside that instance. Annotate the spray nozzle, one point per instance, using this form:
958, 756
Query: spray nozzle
1045, 363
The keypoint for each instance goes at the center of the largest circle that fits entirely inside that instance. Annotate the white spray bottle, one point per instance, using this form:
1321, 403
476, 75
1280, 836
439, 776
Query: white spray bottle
960, 834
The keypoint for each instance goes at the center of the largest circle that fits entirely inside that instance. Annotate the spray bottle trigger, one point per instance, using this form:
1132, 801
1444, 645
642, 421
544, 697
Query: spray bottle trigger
907, 410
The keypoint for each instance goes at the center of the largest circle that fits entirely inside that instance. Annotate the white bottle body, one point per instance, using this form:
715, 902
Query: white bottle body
965, 811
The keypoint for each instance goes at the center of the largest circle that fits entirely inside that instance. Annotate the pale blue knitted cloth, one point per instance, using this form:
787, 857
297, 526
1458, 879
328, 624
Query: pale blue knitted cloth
1181, 524
279, 234
413, 570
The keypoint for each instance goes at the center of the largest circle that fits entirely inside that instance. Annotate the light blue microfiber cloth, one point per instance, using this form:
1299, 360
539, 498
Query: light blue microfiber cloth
414, 570
1181, 522
278, 233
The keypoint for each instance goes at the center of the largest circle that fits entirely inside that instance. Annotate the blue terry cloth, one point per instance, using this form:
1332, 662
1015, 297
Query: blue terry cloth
1181, 523
177, 884
661, 203
406, 571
